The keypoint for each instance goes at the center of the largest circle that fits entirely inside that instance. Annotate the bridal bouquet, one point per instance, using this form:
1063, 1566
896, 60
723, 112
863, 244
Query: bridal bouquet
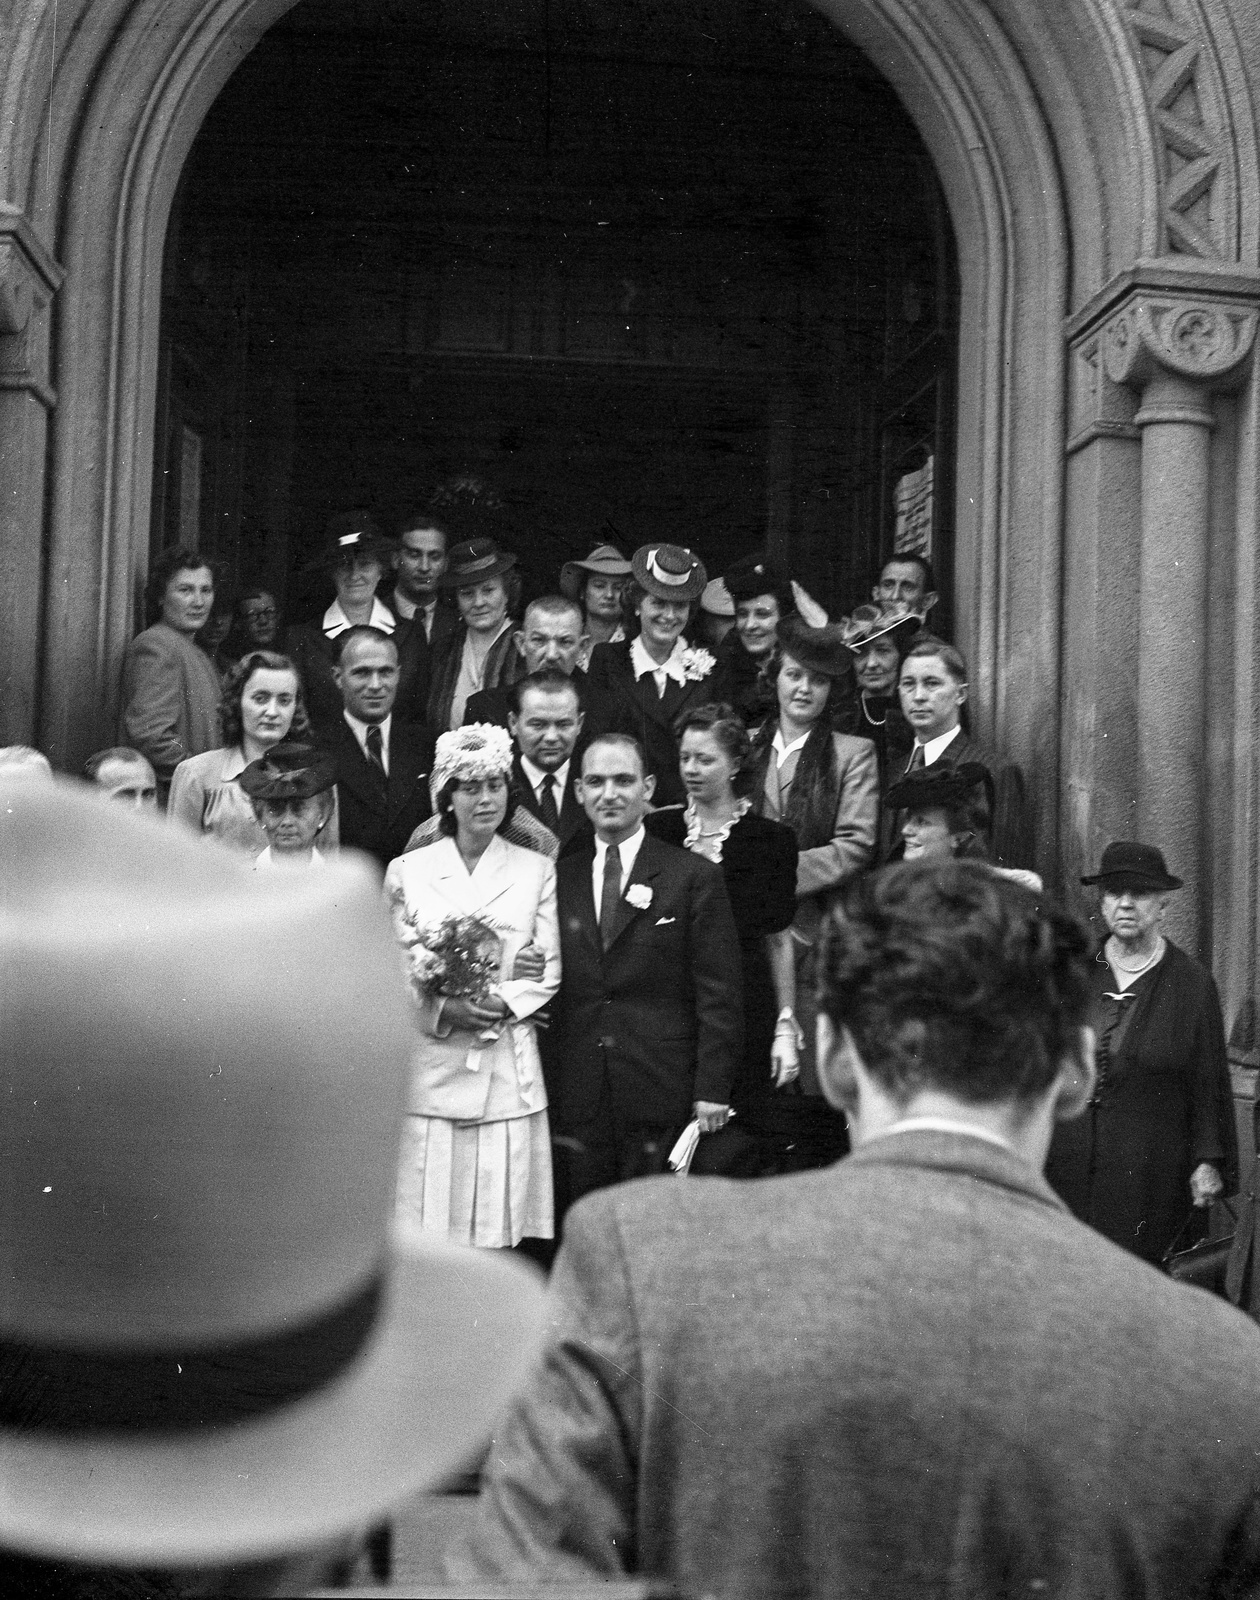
457, 958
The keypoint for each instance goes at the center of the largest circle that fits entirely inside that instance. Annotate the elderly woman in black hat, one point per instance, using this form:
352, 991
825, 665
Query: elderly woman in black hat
291, 789
487, 590
762, 596
355, 555
825, 786
1158, 1141
645, 685
596, 584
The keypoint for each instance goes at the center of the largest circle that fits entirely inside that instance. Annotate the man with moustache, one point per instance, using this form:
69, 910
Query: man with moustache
906, 583
545, 723
549, 639
382, 762
650, 1013
425, 626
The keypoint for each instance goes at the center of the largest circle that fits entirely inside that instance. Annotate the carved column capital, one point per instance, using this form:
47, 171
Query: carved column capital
29, 277
1188, 337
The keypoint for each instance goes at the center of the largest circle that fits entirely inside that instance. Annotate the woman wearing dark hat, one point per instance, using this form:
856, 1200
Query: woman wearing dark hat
355, 555
946, 813
596, 585
480, 656
763, 598
291, 788
645, 685
825, 786
1158, 1137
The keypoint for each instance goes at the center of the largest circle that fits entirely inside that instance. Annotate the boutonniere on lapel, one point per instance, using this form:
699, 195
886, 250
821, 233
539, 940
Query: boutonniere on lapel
639, 896
697, 664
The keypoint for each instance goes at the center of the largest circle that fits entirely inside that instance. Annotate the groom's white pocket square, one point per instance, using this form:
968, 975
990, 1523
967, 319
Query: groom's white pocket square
661, 921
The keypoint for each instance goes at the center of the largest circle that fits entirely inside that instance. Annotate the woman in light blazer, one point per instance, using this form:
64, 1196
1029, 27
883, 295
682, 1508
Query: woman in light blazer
476, 1156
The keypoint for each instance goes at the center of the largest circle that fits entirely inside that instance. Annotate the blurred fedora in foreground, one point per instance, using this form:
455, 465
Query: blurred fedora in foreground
211, 1348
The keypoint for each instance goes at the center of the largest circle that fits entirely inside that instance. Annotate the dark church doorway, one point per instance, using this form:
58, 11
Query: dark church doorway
679, 270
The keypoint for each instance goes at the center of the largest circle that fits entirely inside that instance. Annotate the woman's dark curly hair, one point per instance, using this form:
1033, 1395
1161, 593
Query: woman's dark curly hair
444, 805
178, 559
236, 681
948, 976
727, 727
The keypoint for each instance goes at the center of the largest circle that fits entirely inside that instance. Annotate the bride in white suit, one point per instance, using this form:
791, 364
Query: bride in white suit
476, 1155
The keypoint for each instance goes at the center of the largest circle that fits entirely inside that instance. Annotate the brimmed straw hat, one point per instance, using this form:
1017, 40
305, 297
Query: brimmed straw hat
605, 561
669, 571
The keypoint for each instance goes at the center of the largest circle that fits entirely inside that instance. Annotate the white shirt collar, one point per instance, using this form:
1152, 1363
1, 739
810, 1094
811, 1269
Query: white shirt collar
336, 621
945, 1125
629, 852
671, 667
536, 774
264, 861
934, 749
783, 751
405, 608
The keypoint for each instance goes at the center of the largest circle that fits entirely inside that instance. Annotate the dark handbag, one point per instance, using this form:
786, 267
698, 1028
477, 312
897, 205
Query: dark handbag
1202, 1264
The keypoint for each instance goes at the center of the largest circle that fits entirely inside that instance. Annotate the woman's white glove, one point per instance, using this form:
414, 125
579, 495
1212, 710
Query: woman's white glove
785, 1051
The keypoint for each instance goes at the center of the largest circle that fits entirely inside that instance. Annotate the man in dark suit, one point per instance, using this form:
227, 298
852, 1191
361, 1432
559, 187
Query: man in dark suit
912, 1373
649, 1019
383, 763
549, 639
933, 688
545, 722
425, 626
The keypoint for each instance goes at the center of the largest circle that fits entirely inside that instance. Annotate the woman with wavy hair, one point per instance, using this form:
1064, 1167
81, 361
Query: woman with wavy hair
262, 704
825, 786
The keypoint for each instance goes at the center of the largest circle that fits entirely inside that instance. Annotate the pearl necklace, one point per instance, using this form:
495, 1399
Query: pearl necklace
1136, 972
866, 713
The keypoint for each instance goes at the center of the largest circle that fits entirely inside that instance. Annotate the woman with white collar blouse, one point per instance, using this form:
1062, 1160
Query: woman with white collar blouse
476, 1156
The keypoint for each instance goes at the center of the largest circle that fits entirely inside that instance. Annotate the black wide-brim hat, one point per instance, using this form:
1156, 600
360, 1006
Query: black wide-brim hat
938, 785
821, 650
474, 561
754, 575
669, 571
351, 534
289, 772
1126, 864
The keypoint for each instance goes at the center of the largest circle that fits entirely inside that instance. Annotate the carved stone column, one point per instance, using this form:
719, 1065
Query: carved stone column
1174, 352
28, 280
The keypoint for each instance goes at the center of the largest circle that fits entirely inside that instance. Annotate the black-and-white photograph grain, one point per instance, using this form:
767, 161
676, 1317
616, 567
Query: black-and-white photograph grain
629, 802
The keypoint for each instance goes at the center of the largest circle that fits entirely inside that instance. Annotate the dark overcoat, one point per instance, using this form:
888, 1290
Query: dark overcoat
1163, 1105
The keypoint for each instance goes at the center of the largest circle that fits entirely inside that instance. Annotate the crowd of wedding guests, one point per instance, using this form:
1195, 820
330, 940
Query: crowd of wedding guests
640, 792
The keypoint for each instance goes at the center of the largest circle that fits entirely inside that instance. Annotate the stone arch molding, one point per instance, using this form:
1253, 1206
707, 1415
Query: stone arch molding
93, 161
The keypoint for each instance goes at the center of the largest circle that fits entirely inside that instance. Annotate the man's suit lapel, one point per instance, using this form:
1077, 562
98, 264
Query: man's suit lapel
581, 901
357, 773
404, 764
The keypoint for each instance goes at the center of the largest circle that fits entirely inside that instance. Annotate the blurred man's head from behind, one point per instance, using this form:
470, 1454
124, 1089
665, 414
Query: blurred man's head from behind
946, 989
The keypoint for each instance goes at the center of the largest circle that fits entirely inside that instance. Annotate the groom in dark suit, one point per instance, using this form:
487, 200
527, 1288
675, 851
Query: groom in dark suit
913, 1373
383, 764
649, 1024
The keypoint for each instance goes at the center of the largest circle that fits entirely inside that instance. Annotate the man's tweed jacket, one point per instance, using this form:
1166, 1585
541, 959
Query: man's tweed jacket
910, 1374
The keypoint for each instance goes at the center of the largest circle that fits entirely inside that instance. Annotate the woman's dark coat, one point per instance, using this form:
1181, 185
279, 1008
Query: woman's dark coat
1163, 1105
615, 703
759, 868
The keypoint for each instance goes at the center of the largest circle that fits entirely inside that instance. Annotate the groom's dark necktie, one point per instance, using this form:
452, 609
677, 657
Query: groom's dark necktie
610, 894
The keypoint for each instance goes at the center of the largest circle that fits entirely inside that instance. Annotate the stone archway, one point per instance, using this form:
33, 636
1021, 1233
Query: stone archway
1076, 144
